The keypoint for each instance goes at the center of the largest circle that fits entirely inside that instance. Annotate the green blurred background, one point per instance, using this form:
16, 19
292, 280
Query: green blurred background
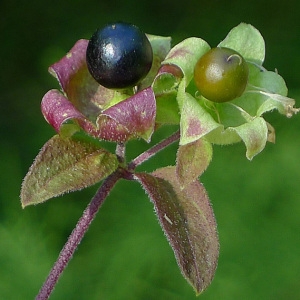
125, 254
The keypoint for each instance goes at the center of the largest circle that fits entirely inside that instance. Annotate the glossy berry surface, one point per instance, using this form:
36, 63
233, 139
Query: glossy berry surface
119, 55
221, 75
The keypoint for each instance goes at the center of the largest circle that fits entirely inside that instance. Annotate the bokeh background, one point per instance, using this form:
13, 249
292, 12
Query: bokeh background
125, 254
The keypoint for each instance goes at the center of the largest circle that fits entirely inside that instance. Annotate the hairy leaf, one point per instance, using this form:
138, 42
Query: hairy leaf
255, 135
57, 109
195, 121
246, 40
188, 221
134, 117
65, 165
192, 160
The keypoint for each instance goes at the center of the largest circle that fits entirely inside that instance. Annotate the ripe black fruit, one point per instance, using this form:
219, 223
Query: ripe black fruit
221, 74
119, 55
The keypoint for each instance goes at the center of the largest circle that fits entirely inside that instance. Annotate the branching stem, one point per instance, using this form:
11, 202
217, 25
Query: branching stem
152, 151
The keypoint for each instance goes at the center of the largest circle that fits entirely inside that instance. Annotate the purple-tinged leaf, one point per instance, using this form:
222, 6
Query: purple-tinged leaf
192, 160
172, 70
65, 165
66, 68
255, 135
188, 221
111, 130
133, 117
79, 86
57, 109
195, 121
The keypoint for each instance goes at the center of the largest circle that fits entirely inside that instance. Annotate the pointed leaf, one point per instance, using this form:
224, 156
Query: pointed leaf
192, 160
255, 135
133, 117
246, 40
188, 222
65, 165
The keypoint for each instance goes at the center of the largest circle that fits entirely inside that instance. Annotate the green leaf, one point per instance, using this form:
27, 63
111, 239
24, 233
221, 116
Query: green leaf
254, 134
269, 91
192, 160
246, 40
195, 121
266, 91
165, 83
65, 165
187, 219
167, 111
186, 54
234, 124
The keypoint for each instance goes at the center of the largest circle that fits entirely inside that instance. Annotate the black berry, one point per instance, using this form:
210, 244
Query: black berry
119, 55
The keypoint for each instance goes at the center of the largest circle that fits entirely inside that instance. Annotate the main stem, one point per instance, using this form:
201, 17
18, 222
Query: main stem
76, 236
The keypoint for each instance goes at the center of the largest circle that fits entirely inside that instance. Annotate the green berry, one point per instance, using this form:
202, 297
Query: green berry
221, 74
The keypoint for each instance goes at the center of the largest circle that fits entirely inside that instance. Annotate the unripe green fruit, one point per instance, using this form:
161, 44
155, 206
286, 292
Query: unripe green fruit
221, 74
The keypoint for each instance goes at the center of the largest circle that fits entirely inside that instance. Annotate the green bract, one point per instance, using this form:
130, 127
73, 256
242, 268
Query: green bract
241, 118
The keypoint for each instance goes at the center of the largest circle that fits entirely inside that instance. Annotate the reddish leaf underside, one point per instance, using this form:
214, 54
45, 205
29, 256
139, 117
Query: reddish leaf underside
133, 117
57, 109
65, 165
188, 222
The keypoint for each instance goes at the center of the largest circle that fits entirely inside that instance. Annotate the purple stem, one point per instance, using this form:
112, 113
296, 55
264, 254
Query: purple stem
152, 151
77, 235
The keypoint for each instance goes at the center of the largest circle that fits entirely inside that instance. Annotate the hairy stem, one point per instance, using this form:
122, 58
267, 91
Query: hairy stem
77, 235
152, 151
